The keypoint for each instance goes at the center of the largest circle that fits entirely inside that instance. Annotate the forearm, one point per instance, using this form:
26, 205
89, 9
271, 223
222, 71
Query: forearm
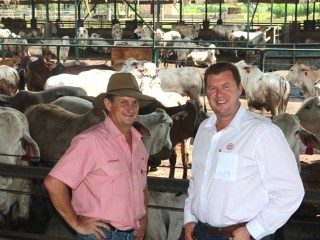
60, 198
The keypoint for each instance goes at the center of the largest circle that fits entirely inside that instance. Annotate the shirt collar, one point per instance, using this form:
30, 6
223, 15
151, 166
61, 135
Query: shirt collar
236, 121
114, 132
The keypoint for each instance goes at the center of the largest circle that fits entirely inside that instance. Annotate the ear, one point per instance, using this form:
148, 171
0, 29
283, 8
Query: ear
240, 89
107, 103
142, 128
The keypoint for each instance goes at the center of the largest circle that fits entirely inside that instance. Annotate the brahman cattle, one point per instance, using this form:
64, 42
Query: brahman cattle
317, 87
293, 131
187, 81
203, 58
165, 224
23, 99
37, 72
223, 32
309, 115
17, 148
265, 91
94, 81
73, 104
82, 35
9, 80
190, 31
304, 77
53, 128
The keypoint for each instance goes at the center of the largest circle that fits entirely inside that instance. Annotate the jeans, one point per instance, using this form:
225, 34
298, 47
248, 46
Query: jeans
200, 234
111, 235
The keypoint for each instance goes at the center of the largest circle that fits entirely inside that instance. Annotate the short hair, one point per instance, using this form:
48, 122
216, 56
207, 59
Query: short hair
220, 67
110, 97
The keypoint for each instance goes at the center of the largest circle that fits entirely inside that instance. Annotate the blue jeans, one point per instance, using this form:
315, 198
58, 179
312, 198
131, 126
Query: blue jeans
200, 234
111, 235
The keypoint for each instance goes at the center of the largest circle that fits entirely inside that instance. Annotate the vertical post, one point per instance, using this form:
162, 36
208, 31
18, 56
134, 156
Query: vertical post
33, 19
286, 32
158, 14
271, 20
47, 11
76, 6
59, 16
115, 10
181, 10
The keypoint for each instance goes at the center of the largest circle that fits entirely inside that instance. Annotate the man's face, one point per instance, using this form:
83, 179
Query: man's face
123, 111
223, 94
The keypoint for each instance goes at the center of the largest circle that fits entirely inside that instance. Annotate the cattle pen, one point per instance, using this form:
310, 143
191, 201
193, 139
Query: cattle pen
296, 228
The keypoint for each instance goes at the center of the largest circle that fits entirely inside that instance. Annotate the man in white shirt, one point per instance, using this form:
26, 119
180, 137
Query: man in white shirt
245, 183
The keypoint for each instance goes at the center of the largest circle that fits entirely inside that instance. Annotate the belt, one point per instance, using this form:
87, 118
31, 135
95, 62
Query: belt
113, 229
222, 231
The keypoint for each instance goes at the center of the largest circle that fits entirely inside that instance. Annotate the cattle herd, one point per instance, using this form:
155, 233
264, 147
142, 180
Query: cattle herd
45, 104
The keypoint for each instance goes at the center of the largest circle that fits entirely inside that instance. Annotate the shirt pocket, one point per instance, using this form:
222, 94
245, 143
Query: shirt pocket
227, 165
118, 177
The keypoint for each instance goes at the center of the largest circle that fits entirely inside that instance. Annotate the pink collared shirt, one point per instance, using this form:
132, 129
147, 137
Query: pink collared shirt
106, 178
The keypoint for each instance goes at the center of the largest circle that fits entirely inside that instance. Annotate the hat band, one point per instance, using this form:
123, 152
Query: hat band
123, 89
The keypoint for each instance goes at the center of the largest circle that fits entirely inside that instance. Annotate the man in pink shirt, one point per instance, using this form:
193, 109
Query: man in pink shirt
105, 167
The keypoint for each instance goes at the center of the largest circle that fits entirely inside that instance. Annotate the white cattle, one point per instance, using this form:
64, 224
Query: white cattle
204, 58
83, 35
51, 47
190, 31
17, 48
17, 148
94, 81
9, 80
5, 33
50, 29
143, 32
33, 33
166, 36
294, 133
182, 54
309, 115
223, 32
187, 81
264, 91
162, 223
151, 85
53, 128
116, 31
97, 43
257, 37
317, 87
304, 77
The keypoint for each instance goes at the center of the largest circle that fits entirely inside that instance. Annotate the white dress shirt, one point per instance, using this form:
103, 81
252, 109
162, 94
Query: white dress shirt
243, 173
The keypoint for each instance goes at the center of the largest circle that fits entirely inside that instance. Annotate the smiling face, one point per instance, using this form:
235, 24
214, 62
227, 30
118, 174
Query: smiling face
123, 111
223, 95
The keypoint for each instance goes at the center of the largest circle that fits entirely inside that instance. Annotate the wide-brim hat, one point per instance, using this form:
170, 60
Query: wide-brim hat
122, 84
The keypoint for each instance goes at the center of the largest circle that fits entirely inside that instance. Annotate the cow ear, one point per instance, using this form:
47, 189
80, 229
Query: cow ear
31, 148
142, 129
309, 139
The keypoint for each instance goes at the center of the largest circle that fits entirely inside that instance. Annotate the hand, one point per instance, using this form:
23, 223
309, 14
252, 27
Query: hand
139, 233
89, 225
188, 230
240, 234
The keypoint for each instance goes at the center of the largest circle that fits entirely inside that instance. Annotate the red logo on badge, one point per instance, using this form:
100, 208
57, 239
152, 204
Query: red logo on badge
229, 146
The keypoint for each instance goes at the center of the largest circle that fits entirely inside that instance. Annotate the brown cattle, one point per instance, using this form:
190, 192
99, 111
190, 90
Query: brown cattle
119, 55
